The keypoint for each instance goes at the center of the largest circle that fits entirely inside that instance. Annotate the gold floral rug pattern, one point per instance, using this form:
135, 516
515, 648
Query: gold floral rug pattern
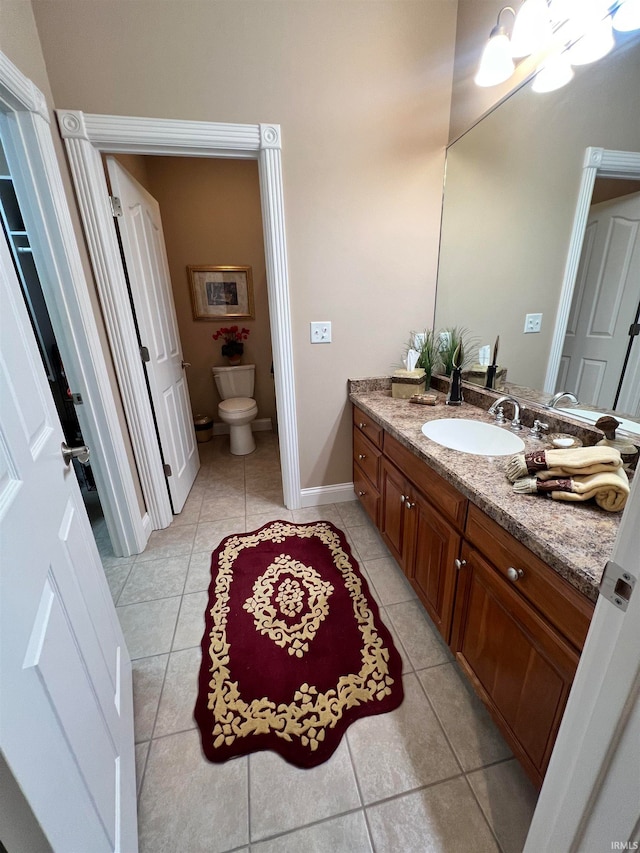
294, 649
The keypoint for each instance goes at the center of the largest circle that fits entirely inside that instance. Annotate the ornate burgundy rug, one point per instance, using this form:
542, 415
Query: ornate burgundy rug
294, 649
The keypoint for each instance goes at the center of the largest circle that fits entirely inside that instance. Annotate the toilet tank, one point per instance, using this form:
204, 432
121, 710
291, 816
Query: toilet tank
235, 381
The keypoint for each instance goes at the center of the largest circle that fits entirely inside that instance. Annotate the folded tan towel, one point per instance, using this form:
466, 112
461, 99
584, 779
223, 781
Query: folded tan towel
609, 489
550, 464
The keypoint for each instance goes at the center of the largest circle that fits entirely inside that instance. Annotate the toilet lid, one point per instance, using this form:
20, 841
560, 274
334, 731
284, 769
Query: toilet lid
236, 405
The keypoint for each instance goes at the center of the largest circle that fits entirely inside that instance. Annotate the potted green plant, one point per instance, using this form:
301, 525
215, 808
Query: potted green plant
233, 346
426, 345
447, 343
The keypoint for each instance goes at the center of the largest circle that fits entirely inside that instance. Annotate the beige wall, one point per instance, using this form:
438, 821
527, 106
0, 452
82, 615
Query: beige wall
211, 216
362, 92
19, 41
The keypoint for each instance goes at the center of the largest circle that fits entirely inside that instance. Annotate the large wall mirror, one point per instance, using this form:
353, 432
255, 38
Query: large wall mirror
519, 237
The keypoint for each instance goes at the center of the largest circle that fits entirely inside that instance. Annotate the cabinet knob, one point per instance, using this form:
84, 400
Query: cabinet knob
403, 498
362, 455
514, 575
410, 505
362, 425
459, 564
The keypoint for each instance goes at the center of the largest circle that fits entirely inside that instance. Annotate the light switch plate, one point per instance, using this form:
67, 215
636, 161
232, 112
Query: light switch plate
532, 323
321, 332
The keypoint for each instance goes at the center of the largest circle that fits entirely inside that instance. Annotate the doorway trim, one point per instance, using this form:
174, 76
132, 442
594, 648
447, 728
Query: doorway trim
598, 162
87, 137
26, 129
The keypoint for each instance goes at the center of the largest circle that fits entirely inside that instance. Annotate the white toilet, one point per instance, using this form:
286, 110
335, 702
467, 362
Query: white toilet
238, 408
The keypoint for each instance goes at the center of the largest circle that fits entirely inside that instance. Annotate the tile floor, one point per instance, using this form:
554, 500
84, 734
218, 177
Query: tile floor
434, 775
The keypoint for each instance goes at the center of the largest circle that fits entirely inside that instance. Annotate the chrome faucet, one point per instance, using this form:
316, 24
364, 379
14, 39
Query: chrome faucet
495, 408
553, 402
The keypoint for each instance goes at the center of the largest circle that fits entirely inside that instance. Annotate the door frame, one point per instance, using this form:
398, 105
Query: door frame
598, 162
86, 138
26, 129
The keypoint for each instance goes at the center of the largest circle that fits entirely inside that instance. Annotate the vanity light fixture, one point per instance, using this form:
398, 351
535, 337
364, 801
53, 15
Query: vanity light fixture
627, 16
496, 63
564, 32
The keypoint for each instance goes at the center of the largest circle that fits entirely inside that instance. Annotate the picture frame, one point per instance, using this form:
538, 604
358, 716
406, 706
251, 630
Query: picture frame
221, 292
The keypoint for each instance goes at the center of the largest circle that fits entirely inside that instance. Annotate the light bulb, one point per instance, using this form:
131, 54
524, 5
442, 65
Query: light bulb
594, 44
627, 16
496, 64
554, 73
532, 29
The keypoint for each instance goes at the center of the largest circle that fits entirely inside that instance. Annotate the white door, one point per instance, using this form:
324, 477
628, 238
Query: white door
605, 302
146, 259
66, 708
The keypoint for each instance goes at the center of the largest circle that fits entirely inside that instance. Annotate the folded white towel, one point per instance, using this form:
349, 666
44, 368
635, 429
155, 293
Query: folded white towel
551, 464
609, 489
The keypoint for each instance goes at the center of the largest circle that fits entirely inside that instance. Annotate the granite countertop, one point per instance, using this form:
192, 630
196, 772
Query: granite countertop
575, 539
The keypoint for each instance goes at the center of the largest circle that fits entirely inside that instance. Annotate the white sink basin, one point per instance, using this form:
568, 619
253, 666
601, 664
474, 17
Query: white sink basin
473, 437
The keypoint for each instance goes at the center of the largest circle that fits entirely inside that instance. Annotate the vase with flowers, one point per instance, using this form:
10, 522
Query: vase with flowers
233, 346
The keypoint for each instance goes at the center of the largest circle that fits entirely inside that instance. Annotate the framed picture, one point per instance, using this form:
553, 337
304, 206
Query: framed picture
218, 293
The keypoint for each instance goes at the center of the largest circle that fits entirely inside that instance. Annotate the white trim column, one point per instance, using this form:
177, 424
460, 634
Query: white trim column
86, 137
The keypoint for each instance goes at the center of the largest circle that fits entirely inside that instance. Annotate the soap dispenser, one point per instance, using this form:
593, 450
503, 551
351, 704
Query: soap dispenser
628, 451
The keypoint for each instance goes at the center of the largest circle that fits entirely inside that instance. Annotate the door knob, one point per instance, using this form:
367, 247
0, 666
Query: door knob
80, 453
186, 364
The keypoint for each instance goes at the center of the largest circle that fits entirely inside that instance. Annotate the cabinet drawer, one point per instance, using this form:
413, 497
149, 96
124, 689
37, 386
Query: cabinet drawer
368, 426
441, 494
564, 607
367, 457
368, 496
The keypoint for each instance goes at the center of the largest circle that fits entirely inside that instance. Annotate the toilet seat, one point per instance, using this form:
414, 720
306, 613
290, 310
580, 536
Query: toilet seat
237, 405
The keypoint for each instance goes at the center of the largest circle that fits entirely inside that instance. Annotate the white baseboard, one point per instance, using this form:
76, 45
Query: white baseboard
147, 526
259, 425
340, 493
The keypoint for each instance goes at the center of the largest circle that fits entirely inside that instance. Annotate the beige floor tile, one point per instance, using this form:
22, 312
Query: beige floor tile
442, 819
199, 574
188, 804
219, 506
329, 512
421, 640
142, 751
179, 693
260, 519
117, 577
402, 750
190, 511
148, 627
346, 834
508, 800
391, 585
472, 733
283, 797
352, 514
267, 502
190, 627
210, 533
155, 579
170, 542
148, 675
368, 542
406, 663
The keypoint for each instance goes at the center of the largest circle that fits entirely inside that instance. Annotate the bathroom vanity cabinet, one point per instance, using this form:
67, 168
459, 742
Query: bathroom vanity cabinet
515, 626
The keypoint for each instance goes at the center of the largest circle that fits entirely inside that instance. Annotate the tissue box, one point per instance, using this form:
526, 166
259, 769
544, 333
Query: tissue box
478, 376
406, 383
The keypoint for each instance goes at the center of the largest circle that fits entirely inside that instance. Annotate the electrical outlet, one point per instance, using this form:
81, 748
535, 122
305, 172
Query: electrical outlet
532, 323
321, 332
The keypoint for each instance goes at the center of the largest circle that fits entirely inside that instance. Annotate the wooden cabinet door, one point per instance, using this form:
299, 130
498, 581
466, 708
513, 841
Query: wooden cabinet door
519, 665
393, 494
433, 572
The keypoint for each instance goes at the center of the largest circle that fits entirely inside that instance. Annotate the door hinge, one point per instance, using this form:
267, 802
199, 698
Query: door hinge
77, 399
167, 470
144, 354
116, 207
634, 329
617, 585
